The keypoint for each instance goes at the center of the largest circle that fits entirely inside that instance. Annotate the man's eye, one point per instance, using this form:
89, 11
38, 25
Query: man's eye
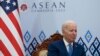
75, 30
71, 30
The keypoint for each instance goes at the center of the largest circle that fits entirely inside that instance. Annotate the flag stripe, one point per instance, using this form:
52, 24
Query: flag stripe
4, 49
16, 14
10, 37
14, 21
11, 28
7, 43
1, 54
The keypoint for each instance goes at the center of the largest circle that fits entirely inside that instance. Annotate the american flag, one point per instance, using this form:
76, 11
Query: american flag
10, 29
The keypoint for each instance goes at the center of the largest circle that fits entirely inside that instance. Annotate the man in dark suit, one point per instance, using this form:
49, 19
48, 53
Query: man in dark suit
67, 46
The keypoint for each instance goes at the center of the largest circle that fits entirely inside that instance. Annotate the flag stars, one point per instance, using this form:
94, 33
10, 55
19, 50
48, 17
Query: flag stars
8, 1
7, 8
9, 5
14, 4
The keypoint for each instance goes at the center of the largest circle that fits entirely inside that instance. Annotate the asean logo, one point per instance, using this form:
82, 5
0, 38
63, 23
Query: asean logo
23, 7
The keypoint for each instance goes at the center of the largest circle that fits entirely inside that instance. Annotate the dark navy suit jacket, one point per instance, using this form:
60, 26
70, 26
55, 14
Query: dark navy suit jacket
58, 48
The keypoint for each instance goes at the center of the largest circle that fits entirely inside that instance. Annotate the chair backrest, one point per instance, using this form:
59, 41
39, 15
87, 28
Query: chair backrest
44, 45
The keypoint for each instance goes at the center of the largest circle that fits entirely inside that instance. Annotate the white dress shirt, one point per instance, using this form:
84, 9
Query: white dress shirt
66, 44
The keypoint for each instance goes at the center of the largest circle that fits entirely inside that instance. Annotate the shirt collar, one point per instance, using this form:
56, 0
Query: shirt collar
66, 43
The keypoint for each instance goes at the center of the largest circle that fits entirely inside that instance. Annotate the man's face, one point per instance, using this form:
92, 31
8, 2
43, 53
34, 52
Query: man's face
70, 32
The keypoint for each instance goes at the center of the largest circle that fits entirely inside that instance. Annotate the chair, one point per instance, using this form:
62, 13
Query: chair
42, 49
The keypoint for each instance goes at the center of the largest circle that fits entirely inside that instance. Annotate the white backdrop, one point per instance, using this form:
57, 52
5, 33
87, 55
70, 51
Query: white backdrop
41, 18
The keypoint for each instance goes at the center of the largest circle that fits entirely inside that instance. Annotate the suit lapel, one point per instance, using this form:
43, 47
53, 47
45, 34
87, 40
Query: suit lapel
64, 48
74, 49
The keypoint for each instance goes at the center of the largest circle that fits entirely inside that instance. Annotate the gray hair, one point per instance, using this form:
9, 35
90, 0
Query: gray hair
66, 23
